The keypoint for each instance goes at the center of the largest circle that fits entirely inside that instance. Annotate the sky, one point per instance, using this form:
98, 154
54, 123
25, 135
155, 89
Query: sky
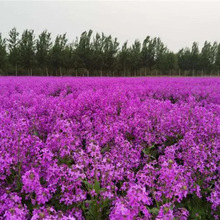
177, 23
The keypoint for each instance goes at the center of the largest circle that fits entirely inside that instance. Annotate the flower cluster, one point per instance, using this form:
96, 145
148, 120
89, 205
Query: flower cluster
109, 148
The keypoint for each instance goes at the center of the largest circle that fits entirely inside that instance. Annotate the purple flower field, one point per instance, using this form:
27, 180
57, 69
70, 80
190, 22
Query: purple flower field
109, 148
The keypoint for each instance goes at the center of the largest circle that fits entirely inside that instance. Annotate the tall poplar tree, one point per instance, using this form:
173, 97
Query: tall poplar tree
217, 59
195, 58
3, 54
43, 46
27, 50
57, 53
13, 47
84, 50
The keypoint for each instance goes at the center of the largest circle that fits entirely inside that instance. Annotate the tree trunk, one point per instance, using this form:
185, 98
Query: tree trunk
61, 72
76, 71
47, 71
16, 69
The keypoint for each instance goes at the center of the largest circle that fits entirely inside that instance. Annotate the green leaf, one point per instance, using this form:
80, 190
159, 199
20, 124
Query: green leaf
88, 185
97, 186
105, 149
154, 210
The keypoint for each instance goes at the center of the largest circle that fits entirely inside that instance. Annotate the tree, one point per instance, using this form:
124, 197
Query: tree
160, 53
124, 58
217, 59
76, 61
27, 50
184, 59
13, 47
3, 53
98, 53
110, 49
136, 56
43, 46
195, 58
206, 57
148, 53
214, 51
169, 62
84, 50
57, 53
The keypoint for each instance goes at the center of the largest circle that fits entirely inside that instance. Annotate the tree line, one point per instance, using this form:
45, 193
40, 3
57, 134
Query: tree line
95, 54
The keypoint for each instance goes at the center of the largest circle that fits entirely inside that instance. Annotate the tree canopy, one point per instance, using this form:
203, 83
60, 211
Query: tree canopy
97, 54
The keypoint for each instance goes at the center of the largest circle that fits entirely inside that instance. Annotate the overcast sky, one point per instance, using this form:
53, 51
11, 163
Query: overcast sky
178, 23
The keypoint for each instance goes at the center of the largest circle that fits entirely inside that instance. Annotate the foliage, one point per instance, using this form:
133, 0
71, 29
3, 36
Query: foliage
95, 54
